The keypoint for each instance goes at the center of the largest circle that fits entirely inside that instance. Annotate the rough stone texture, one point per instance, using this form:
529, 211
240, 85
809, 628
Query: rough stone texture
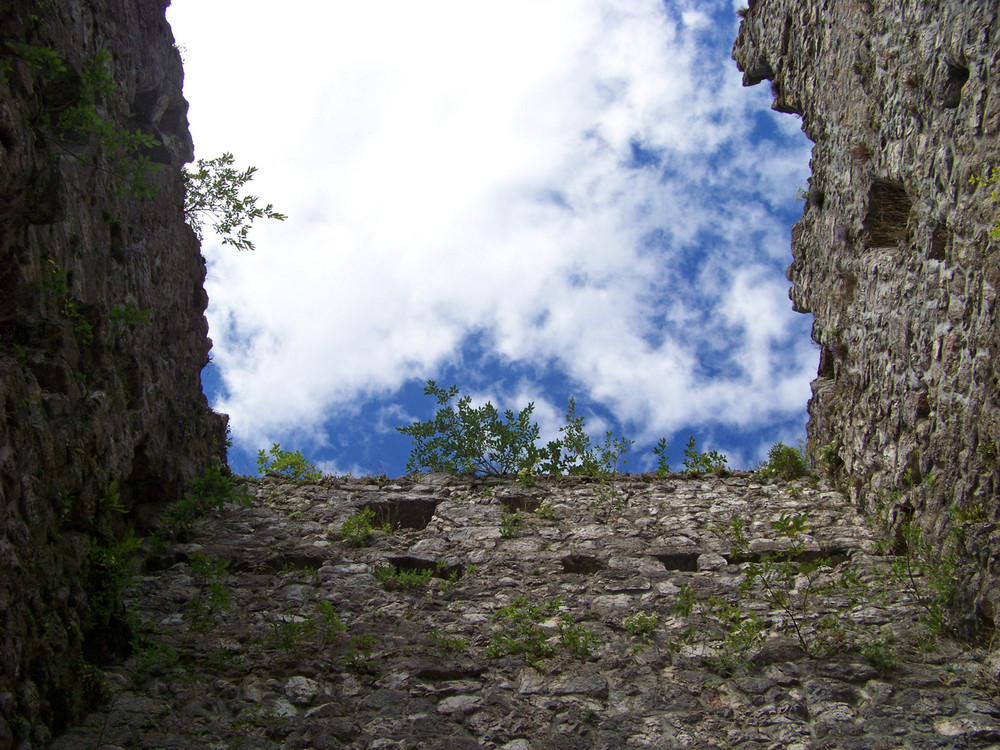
87, 400
893, 254
412, 668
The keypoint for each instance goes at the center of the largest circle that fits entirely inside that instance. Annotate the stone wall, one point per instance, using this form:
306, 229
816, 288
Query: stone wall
102, 331
572, 614
893, 255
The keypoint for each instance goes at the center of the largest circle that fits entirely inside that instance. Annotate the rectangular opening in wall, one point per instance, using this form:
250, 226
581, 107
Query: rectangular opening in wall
888, 214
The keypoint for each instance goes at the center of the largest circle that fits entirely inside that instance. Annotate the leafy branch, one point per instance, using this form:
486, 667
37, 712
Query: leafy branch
462, 439
212, 195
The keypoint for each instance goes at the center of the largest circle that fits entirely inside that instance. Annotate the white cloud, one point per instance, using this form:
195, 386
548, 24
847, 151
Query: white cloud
456, 168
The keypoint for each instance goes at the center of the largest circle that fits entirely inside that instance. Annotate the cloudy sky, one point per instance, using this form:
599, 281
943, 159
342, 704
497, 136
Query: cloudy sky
532, 200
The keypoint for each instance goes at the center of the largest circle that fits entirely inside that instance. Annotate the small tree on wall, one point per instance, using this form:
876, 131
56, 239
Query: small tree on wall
212, 195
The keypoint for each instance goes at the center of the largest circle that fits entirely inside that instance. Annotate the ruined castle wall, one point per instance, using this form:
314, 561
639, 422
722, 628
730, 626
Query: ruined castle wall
893, 255
102, 331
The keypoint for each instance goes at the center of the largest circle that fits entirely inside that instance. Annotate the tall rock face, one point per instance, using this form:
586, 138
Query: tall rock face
102, 334
893, 255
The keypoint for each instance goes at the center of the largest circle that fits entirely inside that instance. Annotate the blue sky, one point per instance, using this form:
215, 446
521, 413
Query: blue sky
533, 200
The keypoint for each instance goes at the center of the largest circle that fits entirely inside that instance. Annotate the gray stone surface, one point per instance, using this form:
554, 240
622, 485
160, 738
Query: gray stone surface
87, 399
414, 667
893, 255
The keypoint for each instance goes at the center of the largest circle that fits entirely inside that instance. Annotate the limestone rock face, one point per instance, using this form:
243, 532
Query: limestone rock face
893, 255
102, 330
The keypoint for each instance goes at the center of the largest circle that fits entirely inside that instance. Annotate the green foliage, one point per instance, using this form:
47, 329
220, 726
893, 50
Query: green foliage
641, 625
880, 650
660, 451
128, 314
741, 632
971, 510
510, 524
576, 638
43, 60
521, 632
685, 601
213, 195
56, 282
359, 655
154, 657
780, 573
213, 598
404, 580
331, 622
785, 462
830, 457
464, 440
125, 149
111, 565
545, 511
215, 488
111, 500
697, 462
358, 529
84, 120
576, 454
290, 631
461, 439
928, 569
448, 643
290, 464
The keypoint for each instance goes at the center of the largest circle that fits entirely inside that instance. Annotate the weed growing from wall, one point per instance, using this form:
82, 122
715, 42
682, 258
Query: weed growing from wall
462, 439
212, 195
214, 489
520, 631
785, 462
129, 315
928, 570
111, 564
696, 462
289, 464
641, 625
466, 440
402, 580
662, 465
56, 283
213, 598
776, 572
358, 530
510, 524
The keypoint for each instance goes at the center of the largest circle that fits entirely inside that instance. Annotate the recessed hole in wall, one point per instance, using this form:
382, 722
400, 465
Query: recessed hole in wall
826, 367
835, 555
861, 153
848, 285
958, 76
439, 570
888, 213
582, 564
404, 514
683, 560
520, 504
283, 562
939, 243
